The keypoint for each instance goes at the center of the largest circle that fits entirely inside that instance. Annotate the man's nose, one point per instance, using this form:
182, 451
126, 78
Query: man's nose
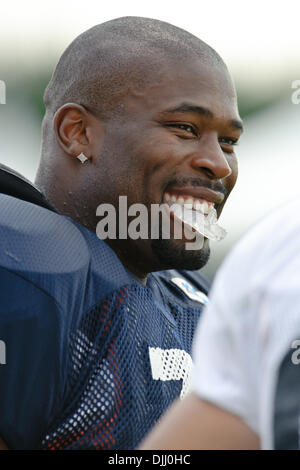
211, 159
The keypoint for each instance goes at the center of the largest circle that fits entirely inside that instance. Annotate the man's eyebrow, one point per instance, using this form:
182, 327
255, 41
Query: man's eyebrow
190, 108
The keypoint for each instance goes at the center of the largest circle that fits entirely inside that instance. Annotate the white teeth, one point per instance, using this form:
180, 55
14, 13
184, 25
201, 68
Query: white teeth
205, 207
197, 205
200, 206
190, 203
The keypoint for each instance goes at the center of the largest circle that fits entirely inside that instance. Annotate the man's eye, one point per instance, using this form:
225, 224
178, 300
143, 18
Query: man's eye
185, 127
228, 141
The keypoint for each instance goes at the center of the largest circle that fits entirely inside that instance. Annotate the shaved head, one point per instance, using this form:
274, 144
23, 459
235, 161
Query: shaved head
102, 63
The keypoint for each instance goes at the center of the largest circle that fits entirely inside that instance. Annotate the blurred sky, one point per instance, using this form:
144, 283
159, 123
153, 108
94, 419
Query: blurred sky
259, 41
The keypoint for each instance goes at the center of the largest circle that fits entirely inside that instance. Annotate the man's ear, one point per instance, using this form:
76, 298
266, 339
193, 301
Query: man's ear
73, 126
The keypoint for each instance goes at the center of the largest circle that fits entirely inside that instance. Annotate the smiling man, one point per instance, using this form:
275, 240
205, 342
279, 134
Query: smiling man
138, 108
155, 114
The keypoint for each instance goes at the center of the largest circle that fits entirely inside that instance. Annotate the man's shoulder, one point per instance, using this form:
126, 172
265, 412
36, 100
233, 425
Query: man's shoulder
34, 239
14, 184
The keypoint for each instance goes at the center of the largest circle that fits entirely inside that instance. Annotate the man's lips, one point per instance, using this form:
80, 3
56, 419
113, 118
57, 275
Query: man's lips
199, 192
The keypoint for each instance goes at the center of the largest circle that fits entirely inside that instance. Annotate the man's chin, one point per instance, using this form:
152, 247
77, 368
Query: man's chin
173, 254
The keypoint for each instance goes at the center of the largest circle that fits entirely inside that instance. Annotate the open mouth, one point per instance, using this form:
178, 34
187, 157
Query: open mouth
189, 202
196, 214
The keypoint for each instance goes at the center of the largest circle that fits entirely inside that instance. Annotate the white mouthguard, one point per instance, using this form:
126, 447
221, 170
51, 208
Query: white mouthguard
206, 225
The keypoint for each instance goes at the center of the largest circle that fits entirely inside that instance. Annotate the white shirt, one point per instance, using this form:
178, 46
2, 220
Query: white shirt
250, 326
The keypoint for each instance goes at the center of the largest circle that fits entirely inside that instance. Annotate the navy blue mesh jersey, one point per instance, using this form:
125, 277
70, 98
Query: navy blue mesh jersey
92, 356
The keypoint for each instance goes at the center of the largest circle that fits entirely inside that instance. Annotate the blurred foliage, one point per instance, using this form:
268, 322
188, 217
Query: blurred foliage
251, 102
35, 92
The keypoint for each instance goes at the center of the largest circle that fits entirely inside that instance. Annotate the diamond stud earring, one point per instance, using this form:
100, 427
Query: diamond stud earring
82, 158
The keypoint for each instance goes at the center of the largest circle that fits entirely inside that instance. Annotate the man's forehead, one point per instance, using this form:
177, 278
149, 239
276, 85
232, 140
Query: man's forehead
197, 85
